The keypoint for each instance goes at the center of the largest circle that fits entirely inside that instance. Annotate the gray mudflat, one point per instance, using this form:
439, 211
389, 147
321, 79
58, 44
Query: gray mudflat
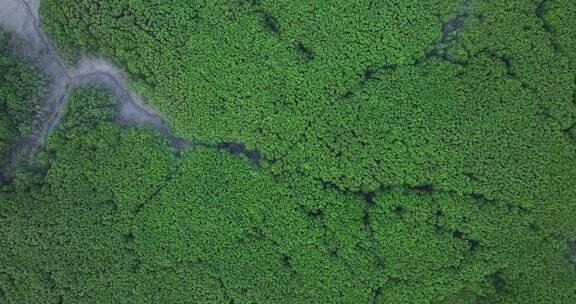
22, 18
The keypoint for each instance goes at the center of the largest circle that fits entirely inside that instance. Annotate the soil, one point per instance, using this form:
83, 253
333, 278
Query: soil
21, 17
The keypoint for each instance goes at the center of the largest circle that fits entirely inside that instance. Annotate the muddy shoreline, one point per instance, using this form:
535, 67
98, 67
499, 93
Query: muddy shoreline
21, 17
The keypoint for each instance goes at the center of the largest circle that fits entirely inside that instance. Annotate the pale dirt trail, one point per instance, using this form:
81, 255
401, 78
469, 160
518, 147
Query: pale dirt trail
22, 18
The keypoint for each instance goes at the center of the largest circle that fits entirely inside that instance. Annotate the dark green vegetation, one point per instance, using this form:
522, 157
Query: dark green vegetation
120, 217
20, 89
412, 152
352, 93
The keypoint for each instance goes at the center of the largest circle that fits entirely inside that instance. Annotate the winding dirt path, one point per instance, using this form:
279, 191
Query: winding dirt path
22, 18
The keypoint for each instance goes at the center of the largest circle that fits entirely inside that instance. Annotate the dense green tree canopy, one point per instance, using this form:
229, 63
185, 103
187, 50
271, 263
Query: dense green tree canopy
355, 93
119, 216
412, 152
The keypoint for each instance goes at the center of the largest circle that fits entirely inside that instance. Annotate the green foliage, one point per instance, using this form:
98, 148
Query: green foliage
311, 84
413, 152
20, 89
119, 217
